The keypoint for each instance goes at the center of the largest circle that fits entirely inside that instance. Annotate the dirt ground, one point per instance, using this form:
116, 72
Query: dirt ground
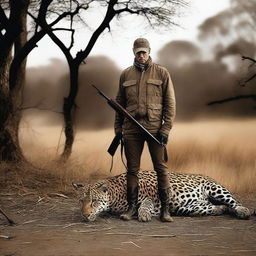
51, 225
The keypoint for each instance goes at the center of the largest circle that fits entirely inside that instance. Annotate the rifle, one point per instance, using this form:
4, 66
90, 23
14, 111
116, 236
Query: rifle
118, 108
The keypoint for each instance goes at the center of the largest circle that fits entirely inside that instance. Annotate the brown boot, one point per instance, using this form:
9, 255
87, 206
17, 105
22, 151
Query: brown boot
132, 198
165, 208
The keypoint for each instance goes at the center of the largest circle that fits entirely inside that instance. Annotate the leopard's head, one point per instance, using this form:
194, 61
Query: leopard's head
94, 200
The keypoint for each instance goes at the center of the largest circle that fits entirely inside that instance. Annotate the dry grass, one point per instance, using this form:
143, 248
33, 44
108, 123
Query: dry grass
224, 150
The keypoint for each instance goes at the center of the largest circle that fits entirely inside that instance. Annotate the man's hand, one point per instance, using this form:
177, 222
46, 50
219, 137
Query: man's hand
162, 138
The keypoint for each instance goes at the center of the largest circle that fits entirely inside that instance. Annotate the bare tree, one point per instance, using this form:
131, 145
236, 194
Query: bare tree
156, 14
13, 35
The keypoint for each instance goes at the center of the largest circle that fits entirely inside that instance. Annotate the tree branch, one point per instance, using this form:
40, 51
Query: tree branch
126, 9
63, 29
65, 14
3, 19
72, 40
11, 222
248, 80
254, 75
12, 28
248, 58
48, 30
48, 27
72, 35
110, 14
239, 97
31, 44
42, 11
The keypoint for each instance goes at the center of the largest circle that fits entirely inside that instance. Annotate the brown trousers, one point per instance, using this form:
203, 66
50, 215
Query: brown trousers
133, 146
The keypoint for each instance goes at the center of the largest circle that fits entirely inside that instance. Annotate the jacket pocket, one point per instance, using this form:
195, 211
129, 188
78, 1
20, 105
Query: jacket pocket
132, 110
130, 88
155, 112
154, 87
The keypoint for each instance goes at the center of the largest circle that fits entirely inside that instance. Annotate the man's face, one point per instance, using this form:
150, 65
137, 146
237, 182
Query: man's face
142, 57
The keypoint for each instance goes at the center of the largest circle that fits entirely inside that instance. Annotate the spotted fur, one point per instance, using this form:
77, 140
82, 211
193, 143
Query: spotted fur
190, 195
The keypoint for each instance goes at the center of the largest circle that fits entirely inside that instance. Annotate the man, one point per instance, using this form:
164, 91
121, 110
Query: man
146, 91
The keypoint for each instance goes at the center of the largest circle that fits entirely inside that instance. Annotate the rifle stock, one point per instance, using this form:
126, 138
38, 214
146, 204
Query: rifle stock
114, 145
117, 107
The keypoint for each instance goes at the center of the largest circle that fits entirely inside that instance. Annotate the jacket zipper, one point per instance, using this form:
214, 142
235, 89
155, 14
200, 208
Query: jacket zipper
140, 92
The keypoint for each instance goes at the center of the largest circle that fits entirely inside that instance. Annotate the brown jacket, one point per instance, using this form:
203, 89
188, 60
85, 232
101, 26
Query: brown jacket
149, 97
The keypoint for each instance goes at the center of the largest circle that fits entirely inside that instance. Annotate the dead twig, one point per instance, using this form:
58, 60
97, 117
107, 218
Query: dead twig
72, 224
26, 243
58, 195
7, 194
40, 199
244, 250
11, 222
28, 222
90, 231
131, 242
6, 237
27, 194
45, 225
223, 227
198, 234
139, 234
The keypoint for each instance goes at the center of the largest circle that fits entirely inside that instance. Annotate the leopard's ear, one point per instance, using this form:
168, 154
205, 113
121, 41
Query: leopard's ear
103, 187
78, 186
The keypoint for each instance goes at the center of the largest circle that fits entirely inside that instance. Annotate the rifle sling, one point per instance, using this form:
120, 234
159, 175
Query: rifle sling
112, 156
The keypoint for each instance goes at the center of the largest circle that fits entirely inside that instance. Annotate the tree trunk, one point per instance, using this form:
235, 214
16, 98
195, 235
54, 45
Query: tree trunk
11, 82
6, 144
10, 150
9, 146
69, 110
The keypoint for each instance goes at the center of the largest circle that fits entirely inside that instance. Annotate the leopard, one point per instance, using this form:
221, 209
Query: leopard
190, 195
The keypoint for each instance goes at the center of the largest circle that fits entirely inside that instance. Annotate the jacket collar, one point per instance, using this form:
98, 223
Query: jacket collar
142, 67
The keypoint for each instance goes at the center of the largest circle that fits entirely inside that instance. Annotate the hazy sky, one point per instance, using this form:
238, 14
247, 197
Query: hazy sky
118, 44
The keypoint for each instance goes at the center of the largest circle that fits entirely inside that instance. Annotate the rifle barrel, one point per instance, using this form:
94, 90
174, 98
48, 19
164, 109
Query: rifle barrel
117, 107
122, 110
100, 92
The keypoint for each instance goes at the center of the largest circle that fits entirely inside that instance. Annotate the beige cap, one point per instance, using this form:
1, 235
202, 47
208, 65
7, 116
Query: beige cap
141, 45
